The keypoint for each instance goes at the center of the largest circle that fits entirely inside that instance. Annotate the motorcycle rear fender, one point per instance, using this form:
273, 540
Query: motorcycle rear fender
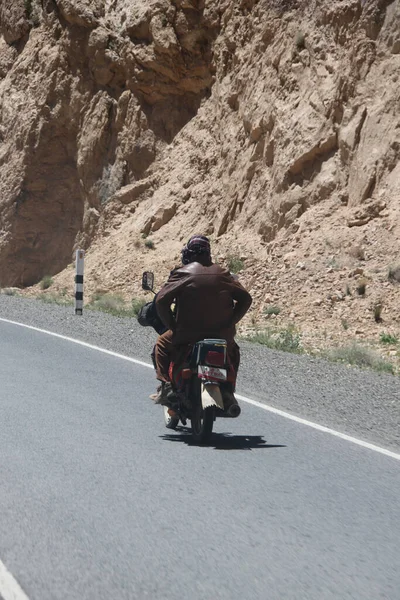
211, 396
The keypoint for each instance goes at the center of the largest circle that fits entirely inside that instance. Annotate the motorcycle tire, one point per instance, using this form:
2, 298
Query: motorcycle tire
170, 422
202, 420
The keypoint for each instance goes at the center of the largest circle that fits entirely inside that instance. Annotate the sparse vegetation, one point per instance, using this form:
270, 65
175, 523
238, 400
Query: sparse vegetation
137, 304
332, 262
110, 303
46, 282
287, 340
115, 305
387, 338
60, 299
361, 287
28, 8
149, 244
9, 291
271, 310
345, 324
377, 310
112, 43
361, 357
394, 274
357, 252
32, 12
300, 41
235, 263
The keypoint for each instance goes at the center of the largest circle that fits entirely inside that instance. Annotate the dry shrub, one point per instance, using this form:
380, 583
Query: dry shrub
357, 252
361, 287
287, 340
394, 274
361, 357
377, 310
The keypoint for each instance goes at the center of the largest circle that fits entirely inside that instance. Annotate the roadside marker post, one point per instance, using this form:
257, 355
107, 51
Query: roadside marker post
80, 257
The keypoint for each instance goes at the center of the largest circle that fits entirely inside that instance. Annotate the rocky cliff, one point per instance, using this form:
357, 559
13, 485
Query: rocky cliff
272, 126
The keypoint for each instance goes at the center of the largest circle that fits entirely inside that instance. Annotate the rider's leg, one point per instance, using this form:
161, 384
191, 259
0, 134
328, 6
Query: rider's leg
162, 357
162, 354
228, 390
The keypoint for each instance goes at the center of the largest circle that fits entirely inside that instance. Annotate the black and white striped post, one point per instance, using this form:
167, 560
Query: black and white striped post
80, 256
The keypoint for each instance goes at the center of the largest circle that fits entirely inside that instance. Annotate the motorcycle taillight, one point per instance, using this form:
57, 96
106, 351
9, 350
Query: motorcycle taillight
215, 359
211, 352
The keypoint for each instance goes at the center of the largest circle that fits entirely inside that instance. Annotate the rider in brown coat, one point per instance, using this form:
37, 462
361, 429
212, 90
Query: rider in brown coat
209, 303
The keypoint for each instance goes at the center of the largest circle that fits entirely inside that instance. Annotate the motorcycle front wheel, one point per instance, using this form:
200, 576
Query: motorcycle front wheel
202, 420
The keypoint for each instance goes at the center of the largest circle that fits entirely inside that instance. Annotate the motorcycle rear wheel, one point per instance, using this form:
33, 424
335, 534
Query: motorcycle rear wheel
202, 420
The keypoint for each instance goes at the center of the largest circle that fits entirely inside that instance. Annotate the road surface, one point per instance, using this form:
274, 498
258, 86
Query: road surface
98, 500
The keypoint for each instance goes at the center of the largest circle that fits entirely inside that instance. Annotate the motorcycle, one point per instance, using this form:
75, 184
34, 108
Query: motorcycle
202, 378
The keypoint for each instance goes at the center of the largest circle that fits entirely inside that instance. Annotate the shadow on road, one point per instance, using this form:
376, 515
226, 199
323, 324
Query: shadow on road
221, 441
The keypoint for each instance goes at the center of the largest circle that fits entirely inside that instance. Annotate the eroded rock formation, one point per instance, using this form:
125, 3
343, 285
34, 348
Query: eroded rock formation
91, 92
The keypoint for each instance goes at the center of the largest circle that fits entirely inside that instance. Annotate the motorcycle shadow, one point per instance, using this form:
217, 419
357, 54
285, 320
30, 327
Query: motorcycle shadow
221, 441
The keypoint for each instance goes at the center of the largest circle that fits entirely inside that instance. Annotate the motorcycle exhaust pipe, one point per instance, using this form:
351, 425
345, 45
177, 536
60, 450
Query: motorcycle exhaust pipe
233, 411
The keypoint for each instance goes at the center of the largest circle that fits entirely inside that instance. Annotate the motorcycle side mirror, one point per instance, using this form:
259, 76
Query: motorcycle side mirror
148, 281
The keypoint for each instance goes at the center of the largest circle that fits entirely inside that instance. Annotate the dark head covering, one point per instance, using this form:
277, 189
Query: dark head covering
197, 247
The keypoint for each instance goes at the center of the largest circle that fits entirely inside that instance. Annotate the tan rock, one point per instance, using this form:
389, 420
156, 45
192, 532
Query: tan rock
85, 13
132, 192
357, 271
163, 216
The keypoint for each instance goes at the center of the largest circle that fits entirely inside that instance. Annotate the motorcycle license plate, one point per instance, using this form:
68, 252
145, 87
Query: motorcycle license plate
213, 373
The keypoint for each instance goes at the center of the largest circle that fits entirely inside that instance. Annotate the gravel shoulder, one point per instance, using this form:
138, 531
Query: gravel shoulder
354, 401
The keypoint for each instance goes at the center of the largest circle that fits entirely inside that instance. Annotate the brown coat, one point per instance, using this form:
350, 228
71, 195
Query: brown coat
209, 303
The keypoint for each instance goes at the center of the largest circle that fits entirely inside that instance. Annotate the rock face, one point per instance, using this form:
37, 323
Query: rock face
272, 126
91, 92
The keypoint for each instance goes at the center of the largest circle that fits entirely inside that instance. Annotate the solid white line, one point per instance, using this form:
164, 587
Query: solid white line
318, 427
267, 407
9, 588
80, 343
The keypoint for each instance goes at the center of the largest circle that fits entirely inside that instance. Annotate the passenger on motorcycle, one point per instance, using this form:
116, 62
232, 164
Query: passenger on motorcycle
209, 302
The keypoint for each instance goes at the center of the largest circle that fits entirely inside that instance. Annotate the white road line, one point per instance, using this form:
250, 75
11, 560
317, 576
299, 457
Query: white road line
9, 588
80, 343
266, 407
318, 427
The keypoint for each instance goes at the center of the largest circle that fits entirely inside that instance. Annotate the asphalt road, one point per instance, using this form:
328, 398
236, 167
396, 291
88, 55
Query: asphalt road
98, 500
358, 402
